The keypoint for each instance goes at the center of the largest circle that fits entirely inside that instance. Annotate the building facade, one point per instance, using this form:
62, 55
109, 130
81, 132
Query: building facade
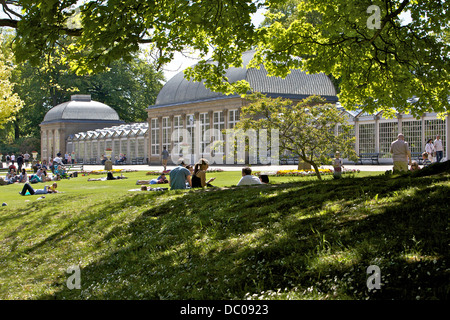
187, 119
189, 107
77, 115
375, 133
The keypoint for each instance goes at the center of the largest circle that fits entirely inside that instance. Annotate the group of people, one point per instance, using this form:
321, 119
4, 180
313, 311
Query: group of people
186, 176
40, 175
435, 149
401, 153
12, 177
22, 160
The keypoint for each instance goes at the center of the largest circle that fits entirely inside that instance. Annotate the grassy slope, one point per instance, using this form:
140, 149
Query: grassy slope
301, 240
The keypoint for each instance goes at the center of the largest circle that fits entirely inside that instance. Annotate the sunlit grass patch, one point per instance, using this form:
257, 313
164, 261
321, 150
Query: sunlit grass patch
297, 240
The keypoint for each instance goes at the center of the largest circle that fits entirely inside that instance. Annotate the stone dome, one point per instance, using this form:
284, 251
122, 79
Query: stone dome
81, 109
296, 85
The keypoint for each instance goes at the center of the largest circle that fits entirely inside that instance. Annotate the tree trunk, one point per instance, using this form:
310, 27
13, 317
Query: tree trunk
316, 169
16, 129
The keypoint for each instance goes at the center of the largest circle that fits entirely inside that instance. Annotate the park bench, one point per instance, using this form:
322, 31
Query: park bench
74, 167
290, 160
137, 160
417, 156
373, 157
119, 162
4, 169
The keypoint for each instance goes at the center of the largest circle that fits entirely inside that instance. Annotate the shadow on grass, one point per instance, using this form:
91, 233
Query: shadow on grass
224, 244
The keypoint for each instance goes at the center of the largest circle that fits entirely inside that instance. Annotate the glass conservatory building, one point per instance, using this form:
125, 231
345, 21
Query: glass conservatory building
86, 128
374, 133
127, 139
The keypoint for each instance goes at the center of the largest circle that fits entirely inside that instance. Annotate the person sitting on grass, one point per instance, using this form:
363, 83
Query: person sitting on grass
426, 161
45, 176
44, 165
11, 177
39, 176
414, 166
179, 176
3, 182
23, 177
264, 178
199, 176
247, 178
47, 189
12, 166
61, 171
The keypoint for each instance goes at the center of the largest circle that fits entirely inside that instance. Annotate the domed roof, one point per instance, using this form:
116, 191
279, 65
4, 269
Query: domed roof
81, 108
296, 85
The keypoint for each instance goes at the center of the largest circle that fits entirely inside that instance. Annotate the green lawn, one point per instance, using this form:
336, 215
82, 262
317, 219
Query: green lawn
296, 238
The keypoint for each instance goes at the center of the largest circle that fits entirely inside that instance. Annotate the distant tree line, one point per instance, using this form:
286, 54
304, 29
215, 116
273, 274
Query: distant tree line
128, 87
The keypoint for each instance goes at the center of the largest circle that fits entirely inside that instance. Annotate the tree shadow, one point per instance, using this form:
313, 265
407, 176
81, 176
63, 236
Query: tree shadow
264, 238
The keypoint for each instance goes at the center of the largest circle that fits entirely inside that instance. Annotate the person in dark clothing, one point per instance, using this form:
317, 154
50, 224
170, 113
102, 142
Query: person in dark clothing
199, 176
47, 189
20, 162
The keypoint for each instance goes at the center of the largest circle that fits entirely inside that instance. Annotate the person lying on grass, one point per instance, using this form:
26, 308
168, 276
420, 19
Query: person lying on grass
160, 180
47, 189
109, 176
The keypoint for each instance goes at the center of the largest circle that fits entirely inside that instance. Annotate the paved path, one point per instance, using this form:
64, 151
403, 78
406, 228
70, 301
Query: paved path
266, 168
239, 167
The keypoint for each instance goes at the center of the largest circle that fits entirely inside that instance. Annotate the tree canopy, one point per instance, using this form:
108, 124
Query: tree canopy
379, 60
128, 87
310, 129
10, 102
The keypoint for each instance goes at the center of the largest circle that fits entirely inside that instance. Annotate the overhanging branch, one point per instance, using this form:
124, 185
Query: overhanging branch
8, 23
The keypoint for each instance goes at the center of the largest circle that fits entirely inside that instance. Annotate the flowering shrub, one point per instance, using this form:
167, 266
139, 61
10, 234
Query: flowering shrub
95, 172
295, 173
154, 173
303, 173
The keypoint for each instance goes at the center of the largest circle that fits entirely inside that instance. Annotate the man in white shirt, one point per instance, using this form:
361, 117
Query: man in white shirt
247, 178
58, 160
439, 149
400, 153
